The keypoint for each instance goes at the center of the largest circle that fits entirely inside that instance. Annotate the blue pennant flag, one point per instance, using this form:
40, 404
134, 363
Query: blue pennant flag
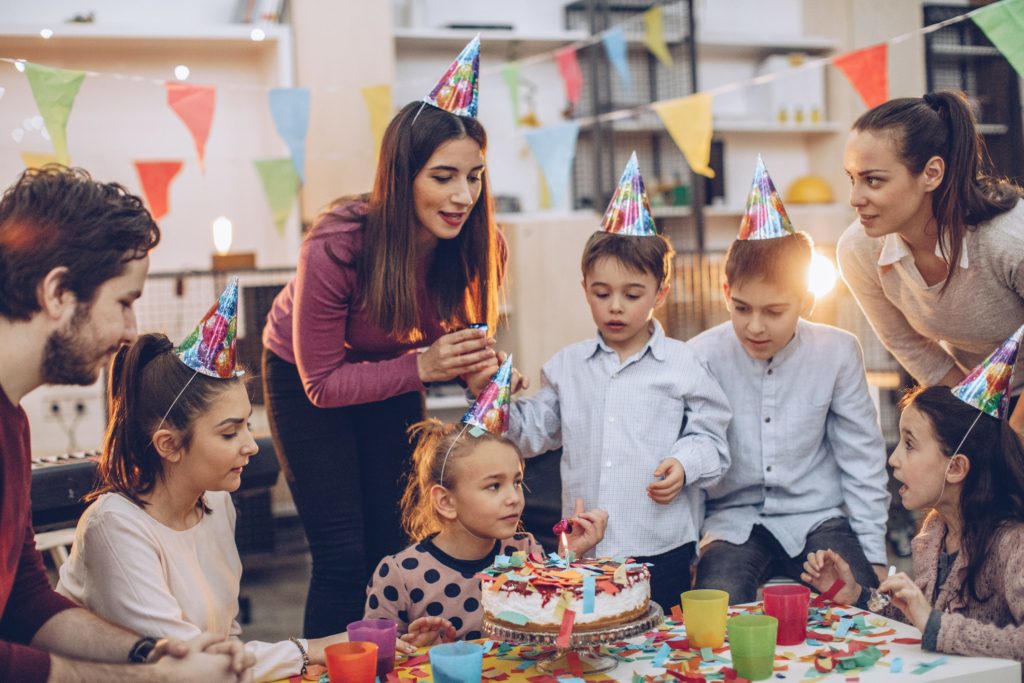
290, 109
554, 148
614, 41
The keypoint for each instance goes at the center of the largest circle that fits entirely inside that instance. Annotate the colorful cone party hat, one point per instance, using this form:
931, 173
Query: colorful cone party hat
458, 90
765, 217
490, 412
210, 349
629, 212
987, 388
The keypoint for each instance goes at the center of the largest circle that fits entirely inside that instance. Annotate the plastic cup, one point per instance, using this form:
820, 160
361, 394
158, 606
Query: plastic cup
380, 632
752, 645
704, 611
351, 662
459, 662
789, 604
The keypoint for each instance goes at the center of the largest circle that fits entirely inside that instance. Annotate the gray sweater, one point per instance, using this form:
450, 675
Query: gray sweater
928, 332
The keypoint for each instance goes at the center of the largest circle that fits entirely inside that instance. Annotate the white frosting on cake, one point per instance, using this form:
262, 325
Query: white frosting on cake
531, 605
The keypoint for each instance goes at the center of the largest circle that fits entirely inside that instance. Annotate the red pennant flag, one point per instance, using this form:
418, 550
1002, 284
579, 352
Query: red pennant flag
156, 177
569, 67
868, 72
194, 105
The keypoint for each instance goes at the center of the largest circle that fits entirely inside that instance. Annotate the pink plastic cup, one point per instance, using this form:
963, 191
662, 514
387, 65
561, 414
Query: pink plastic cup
382, 633
789, 604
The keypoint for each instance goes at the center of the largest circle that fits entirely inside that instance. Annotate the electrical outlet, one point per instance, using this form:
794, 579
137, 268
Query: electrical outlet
64, 408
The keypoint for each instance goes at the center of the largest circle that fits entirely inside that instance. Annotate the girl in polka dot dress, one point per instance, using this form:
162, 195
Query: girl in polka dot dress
461, 511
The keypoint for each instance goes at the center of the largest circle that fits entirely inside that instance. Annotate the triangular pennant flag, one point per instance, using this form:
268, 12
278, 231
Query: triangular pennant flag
554, 148
765, 217
194, 106
654, 35
614, 41
629, 211
290, 109
868, 72
280, 183
36, 160
688, 120
569, 68
54, 91
378, 103
510, 74
210, 349
156, 177
458, 91
987, 388
1003, 24
490, 411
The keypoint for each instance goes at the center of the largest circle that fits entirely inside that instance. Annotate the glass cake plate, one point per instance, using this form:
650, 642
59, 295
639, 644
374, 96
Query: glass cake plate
586, 644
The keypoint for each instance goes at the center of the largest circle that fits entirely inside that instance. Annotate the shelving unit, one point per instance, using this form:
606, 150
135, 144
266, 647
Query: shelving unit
524, 44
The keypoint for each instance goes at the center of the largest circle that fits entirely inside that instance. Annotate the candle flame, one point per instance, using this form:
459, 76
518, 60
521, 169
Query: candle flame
565, 544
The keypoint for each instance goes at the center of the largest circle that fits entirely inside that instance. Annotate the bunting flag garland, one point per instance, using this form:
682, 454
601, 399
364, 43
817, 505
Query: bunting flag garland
614, 40
868, 72
688, 120
378, 103
290, 109
54, 91
194, 106
569, 68
280, 183
38, 160
654, 35
156, 177
554, 148
1003, 24
510, 74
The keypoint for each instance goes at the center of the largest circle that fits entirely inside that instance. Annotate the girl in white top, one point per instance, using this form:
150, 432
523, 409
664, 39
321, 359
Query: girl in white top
155, 551
934, 257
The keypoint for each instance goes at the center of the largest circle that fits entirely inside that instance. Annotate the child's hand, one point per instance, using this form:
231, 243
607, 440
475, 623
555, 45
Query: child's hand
478, 381
426, 631
908, 598
823, 568
588, 528
672, 477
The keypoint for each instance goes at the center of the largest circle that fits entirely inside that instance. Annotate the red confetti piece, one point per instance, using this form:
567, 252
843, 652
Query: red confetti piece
565, 631
829, 594
575, 665
677, 613
906, 641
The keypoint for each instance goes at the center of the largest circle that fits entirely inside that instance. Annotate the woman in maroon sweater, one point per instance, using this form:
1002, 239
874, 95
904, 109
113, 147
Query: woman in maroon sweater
385, 290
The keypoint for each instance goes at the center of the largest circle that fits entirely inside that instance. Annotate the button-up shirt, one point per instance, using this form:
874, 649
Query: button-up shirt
804, 440
615, 422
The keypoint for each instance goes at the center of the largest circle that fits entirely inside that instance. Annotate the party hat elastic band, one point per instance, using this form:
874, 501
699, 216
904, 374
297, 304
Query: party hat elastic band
629, 211
765, 217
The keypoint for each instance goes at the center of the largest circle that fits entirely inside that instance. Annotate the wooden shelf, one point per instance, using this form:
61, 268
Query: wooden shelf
758, 46
648, 122
20, 34
523, 44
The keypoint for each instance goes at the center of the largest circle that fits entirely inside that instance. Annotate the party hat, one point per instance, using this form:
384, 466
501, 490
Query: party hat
765, 217
987, 387
490, 412
629, 212
210, 349
458, 90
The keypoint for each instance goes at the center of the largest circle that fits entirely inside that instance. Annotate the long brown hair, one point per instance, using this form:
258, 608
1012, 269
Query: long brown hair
463, 280
942, 124
145, 379
439, 447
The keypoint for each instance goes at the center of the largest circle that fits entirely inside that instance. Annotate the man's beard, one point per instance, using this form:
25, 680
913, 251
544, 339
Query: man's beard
66, 357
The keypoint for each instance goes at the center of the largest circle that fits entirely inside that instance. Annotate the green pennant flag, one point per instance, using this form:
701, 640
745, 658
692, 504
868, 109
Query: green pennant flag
510, 72
54, 91
1003, 23
280, 183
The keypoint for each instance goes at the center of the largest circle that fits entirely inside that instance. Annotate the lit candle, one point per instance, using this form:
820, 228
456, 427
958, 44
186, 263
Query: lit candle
565, 545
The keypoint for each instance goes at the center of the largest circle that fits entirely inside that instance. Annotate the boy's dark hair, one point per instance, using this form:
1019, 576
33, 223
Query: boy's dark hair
782, 261
648, 254
56, 216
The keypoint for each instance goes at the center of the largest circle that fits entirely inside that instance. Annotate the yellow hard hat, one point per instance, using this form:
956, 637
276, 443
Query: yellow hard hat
809, 189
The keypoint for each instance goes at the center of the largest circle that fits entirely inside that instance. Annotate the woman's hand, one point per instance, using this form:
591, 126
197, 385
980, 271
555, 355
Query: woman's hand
427, 631
823, 568
478, 381
457, 353
588, 528
908, 598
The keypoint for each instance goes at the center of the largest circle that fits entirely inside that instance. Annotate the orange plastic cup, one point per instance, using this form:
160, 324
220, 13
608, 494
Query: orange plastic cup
704, 611
351, 662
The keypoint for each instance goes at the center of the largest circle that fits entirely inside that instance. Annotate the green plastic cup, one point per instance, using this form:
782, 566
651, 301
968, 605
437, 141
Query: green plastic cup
752, 645
704, 611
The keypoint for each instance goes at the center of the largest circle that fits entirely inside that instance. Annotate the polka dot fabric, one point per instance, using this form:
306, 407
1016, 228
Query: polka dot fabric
422, 580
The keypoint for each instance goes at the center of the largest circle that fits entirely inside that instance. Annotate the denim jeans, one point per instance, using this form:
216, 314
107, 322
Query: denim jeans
670, 574
346, 469
742, 569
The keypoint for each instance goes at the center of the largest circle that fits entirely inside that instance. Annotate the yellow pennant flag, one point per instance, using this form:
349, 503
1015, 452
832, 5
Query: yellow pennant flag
654, 35
38, 160
378, 102
688, 120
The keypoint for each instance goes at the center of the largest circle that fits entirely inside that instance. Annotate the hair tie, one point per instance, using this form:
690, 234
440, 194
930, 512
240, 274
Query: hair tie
932, 101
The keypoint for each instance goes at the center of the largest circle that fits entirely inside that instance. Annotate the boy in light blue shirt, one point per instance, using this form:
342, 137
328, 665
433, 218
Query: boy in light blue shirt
808, 458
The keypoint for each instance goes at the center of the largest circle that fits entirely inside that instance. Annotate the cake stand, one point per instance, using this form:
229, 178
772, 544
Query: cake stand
586, 644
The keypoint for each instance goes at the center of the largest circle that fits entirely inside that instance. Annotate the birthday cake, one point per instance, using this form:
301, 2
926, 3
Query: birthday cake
533, 593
